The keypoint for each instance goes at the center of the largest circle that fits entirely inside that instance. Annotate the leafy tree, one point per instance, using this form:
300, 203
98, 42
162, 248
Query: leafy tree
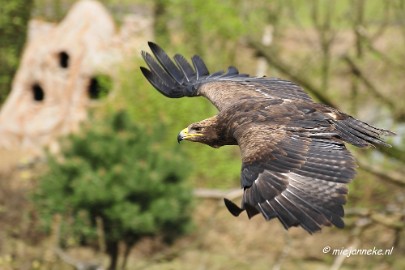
116, 172
14, 16
205, 27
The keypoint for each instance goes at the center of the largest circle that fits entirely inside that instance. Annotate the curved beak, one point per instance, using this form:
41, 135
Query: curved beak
182, 135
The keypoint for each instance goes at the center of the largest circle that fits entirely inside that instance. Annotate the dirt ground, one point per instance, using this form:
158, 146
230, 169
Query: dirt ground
218, 241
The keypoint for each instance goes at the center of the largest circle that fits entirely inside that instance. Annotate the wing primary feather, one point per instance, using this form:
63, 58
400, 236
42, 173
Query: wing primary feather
292, 219
168, 91
167, 63
284, 217
361, 134
251, 210
308, 222
369, 128
157, 69
170, 80
232, 71
216, 74
232, 208
156, 82
334, 218
200, 67
185, 67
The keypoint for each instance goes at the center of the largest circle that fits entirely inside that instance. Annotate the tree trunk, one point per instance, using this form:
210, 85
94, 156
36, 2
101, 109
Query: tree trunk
160, 22
113, 252
128, 247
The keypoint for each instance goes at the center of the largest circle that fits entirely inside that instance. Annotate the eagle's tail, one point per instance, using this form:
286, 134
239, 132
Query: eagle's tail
360, 133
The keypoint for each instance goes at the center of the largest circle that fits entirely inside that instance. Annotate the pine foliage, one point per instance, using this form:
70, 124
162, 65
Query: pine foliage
118, 173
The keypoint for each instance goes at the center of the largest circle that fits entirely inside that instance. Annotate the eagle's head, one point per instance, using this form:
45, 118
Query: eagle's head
206, 131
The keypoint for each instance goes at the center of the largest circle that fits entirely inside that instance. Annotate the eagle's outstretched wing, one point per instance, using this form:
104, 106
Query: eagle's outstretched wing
297, 178
295, 166
179, 79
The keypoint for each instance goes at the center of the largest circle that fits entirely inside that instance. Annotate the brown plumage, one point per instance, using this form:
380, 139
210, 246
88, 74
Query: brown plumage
295, 166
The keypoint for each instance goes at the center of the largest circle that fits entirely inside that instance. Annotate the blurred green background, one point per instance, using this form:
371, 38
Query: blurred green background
348, 54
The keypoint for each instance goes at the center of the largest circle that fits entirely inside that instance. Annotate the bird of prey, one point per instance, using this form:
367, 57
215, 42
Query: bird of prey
295, 166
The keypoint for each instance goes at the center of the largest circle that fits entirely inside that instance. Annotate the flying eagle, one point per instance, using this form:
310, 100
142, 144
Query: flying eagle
295, 166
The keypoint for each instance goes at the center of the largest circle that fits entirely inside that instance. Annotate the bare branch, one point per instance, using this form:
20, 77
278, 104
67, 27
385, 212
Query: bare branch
326, 36
338, 262
65, 257
356, 71
368, 42
392, 221
78, 265
393, 152
384, 175
287, 70
217, 194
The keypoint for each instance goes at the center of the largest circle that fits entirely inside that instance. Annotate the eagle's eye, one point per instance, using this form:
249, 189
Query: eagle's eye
198, 128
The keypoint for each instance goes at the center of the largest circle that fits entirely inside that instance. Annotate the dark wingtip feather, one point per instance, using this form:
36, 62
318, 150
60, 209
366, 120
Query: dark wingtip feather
362, 134
150, 43
200, 66
185, 67
232, 208
153, 80
156, 82
386, 132
145, 71
232, 71
148, 75
167, 63
154, 47
157, 70
176, 77
250, 210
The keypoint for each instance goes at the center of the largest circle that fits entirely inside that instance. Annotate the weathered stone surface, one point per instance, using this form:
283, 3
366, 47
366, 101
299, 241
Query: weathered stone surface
51, 90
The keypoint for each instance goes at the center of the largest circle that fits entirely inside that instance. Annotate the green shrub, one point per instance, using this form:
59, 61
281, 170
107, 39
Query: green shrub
116, 172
